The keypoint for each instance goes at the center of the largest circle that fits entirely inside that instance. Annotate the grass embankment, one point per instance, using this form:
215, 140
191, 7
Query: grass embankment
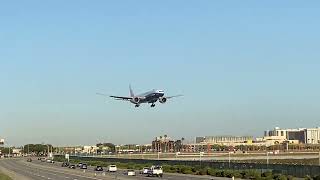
197, 170
4, 177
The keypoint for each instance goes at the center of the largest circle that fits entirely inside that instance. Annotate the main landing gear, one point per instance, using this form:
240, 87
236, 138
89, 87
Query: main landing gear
153, 105
137, 105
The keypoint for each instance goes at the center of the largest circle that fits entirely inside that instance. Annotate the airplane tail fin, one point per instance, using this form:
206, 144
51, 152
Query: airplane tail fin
131, 92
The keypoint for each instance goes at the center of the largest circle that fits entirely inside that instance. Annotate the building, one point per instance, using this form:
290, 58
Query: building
293, 136
90, 149
312, 136
163, 144
224, 140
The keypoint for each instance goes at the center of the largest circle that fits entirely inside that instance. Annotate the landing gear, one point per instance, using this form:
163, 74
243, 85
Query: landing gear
153, 105
137, 105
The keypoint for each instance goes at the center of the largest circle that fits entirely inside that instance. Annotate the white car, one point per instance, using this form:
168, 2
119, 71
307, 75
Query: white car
112, 168
131, 172
145, 170
50, 161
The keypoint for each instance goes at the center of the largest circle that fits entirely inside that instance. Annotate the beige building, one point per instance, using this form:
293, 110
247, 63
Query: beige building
224, 140
293, 136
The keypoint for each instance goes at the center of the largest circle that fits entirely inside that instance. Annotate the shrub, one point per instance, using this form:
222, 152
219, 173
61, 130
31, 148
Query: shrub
280, 177
316, 177
251, 174
267, 174
211, 172
186, 170
307, 177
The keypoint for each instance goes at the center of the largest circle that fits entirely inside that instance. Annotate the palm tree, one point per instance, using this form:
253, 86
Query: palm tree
182, 139
165, 143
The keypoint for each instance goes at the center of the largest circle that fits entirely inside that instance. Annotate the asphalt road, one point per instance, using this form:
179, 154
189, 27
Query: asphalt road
37, 170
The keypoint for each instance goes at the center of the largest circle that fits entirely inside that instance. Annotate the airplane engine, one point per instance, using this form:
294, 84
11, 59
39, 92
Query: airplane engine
162, 100
136, 100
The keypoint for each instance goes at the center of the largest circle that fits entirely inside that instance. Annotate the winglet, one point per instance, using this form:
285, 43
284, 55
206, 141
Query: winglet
131, 92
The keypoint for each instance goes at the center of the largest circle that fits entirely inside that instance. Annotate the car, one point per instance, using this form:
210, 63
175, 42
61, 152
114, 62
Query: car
98, 168
131, 172
72, 166
112, 168
50, 161
43, 159
84, 166
29, 160
145, 170
65, 164
79, 164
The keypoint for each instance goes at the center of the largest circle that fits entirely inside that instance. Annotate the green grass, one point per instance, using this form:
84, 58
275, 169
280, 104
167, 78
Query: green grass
4, 177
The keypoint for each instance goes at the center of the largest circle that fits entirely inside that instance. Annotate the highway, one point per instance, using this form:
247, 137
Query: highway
37, 170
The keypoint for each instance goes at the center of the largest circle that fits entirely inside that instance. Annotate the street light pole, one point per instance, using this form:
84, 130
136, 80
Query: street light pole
267, 160
319, 157
229, 159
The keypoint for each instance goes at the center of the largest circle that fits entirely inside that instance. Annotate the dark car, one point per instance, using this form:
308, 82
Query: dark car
72, 166
84, 166
98, 168
65, 164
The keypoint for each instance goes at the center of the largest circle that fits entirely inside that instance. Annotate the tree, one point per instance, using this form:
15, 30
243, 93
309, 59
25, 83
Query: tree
182, 139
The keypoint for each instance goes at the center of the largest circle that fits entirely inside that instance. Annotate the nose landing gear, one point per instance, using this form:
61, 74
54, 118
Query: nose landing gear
137, 105
153, 105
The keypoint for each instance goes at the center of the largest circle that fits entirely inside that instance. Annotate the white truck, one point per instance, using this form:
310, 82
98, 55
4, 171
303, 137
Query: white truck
155, 171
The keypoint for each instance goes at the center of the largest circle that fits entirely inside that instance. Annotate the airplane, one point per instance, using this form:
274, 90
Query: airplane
150, 97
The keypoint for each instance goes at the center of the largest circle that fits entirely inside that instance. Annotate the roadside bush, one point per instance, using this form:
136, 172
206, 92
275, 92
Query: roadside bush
169, 169
280, 177
219, 173
289, 177
211, 172
251, 174
307, 177
203, 171
266, 174
316, 177
186, 170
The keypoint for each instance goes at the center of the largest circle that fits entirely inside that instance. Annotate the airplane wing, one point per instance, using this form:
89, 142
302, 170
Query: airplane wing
169, 97
121, 98
116, 97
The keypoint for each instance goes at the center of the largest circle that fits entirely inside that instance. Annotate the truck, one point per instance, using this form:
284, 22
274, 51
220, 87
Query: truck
155, 171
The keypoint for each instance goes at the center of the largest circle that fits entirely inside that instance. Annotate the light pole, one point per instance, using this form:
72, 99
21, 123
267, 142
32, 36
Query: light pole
267, 160
201, 154
229, 159
319, 157
9, 151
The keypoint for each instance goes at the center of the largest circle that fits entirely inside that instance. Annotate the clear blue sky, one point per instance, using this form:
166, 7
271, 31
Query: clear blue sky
243, 66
